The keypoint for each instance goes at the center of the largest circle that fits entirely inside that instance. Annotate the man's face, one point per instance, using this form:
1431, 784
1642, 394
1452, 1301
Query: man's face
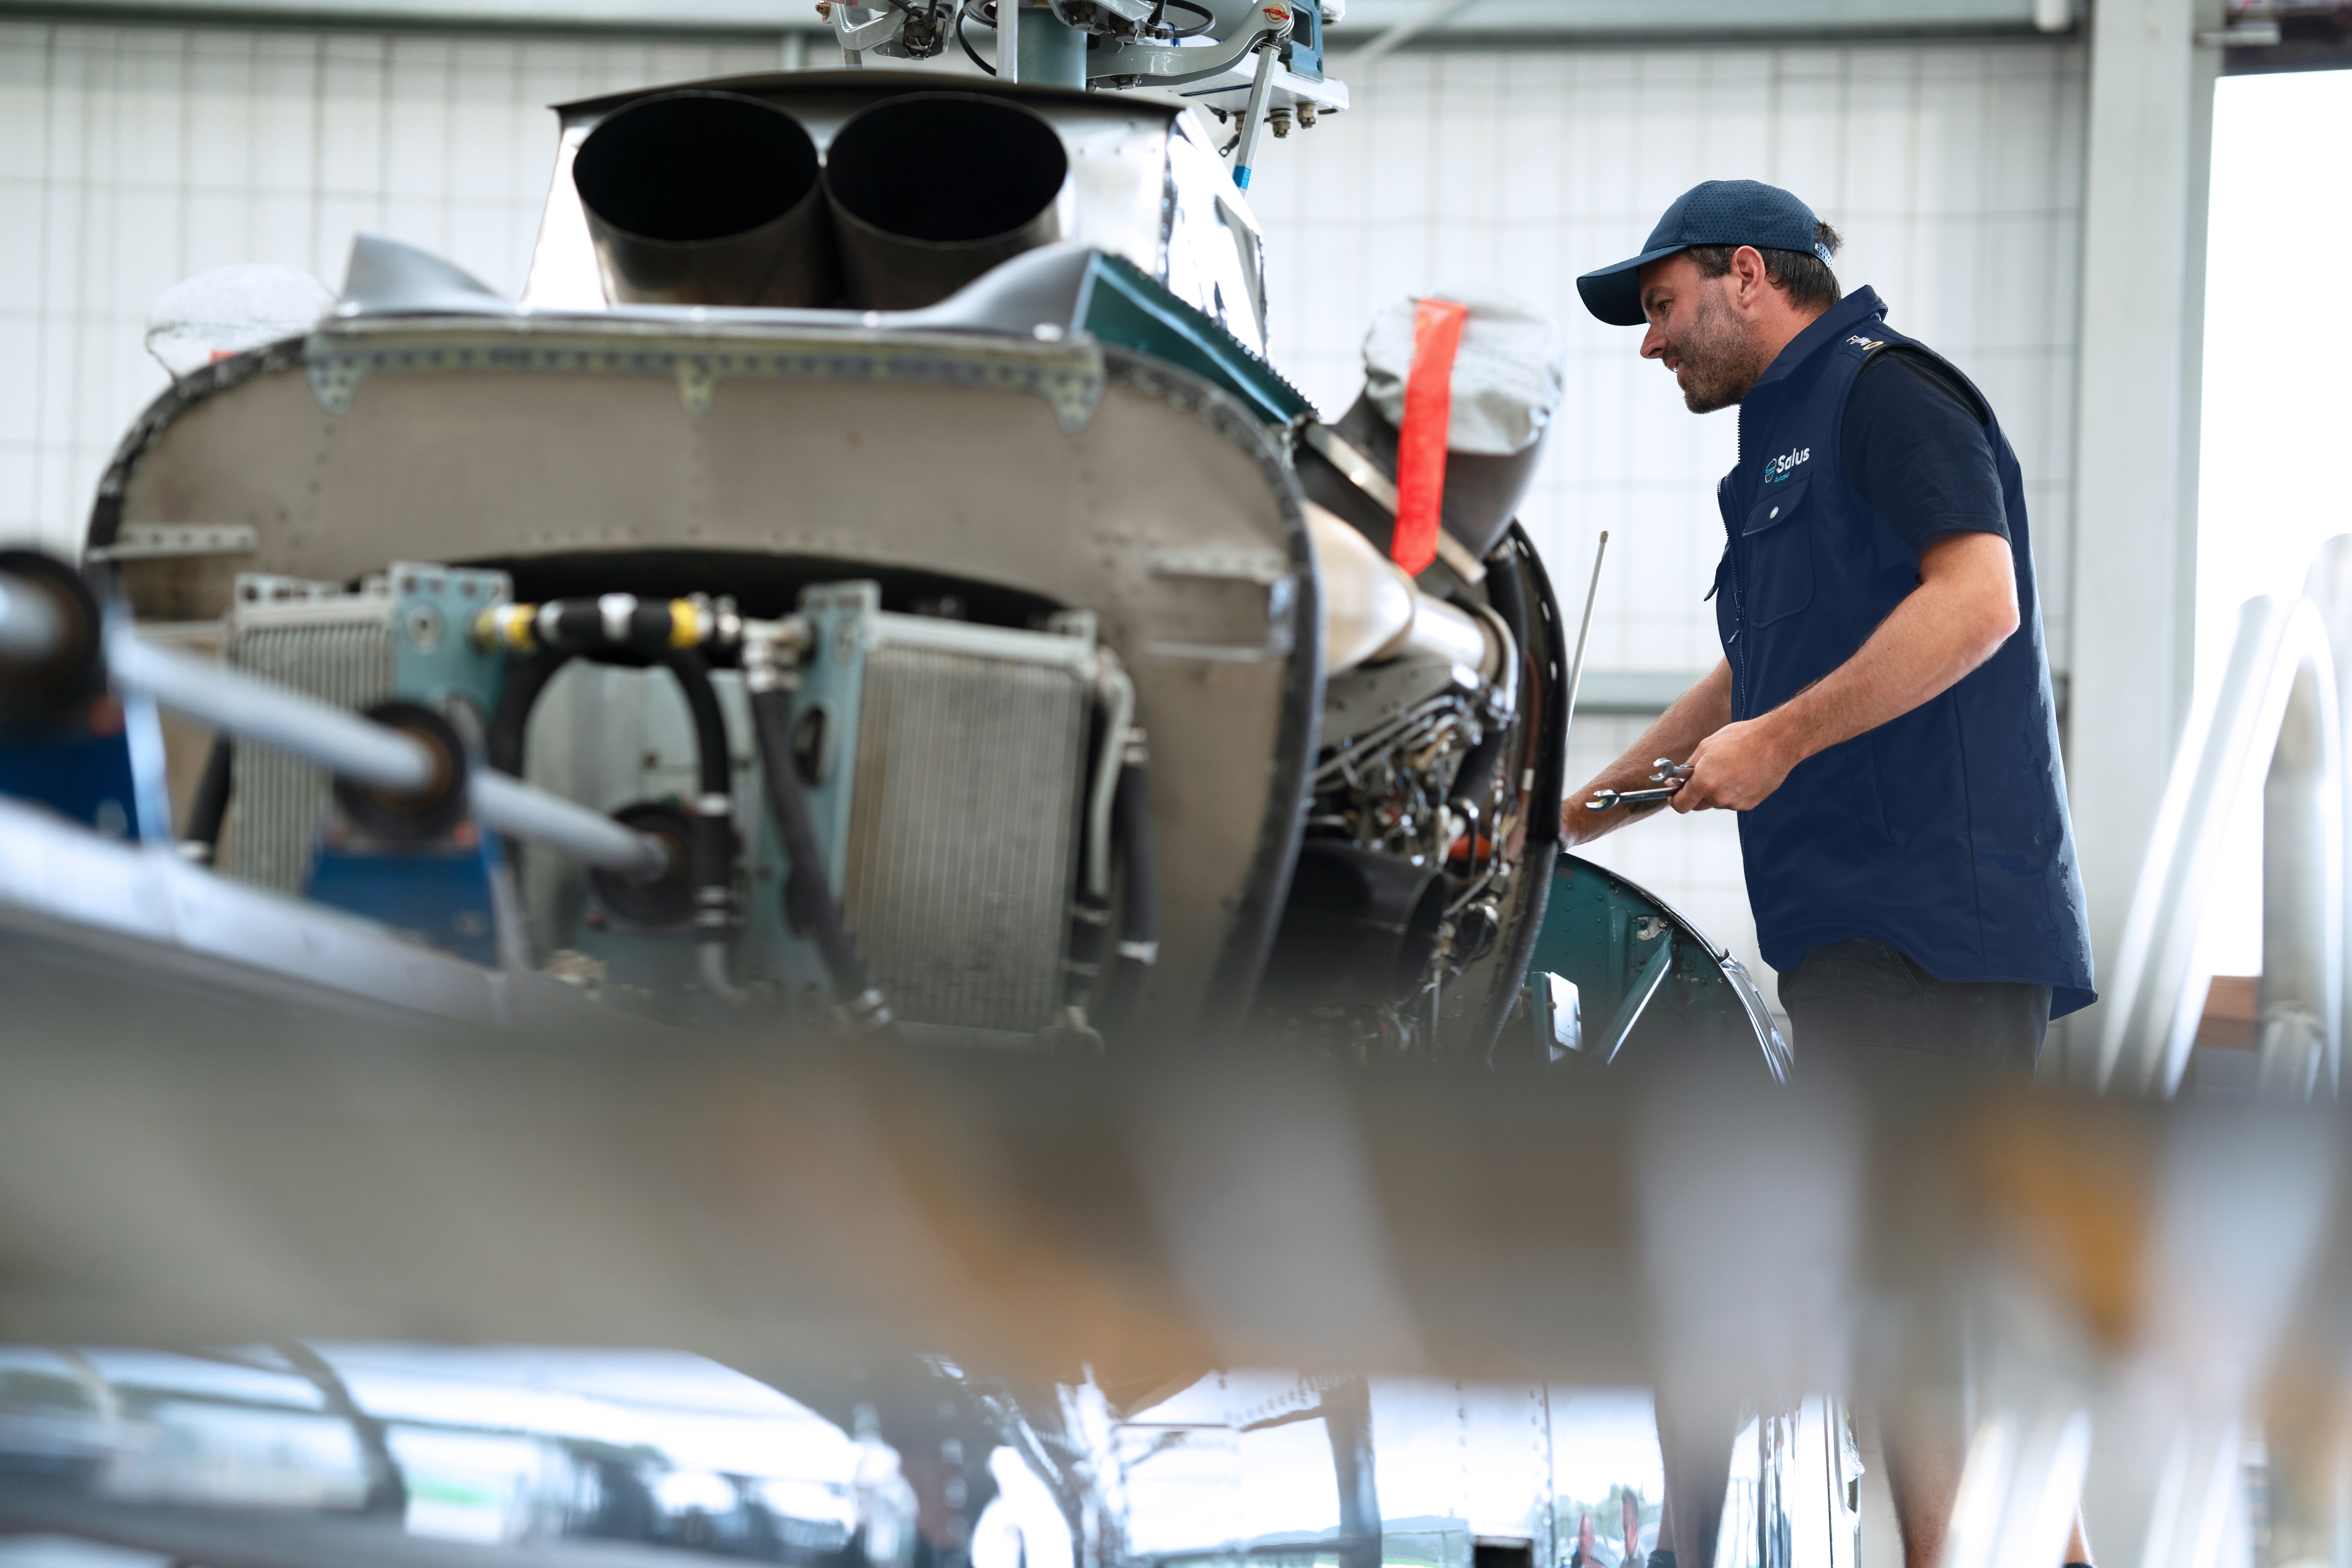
1703, 338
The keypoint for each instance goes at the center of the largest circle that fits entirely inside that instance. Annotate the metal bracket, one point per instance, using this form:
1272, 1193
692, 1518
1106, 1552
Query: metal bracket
169, 541
1068, 375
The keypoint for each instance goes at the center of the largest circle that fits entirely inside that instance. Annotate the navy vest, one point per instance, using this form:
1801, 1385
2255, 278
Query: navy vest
1942, 833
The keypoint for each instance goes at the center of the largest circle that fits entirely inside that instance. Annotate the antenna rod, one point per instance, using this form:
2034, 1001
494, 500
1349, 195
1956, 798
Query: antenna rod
1584, 630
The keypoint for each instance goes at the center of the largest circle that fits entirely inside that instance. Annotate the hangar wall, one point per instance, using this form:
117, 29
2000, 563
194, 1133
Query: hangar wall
131, 157
140, 154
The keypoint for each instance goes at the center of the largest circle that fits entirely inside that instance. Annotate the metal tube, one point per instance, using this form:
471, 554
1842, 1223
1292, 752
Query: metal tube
30, 626
1116, 693
255, 709
1008, 40
1584, 630
526, 811
369, 752
1254, 116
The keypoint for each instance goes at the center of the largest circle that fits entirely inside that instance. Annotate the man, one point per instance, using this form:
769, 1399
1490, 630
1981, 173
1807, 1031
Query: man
1882, 719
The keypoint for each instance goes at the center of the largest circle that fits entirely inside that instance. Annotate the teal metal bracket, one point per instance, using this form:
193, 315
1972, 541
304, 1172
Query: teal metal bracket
435, 655
1126, 307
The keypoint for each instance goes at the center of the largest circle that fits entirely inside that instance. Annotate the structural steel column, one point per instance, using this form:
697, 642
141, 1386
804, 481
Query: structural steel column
2150, 148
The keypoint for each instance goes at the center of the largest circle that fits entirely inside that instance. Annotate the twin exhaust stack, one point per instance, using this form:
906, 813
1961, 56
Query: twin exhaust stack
703, 197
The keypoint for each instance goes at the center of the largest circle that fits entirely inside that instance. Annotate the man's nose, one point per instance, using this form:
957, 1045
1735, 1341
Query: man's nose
1653, 342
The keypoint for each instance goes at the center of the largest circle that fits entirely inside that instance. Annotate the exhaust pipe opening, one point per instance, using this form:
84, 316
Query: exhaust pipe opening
932, 189
706, 198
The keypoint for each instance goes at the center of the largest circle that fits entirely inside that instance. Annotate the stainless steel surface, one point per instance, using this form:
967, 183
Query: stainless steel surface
1368, 600
930, 190
30, 626
2270, 731
1441, 632
707, 198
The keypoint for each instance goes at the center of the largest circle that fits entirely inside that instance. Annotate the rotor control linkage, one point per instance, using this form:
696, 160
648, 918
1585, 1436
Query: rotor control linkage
1669, 778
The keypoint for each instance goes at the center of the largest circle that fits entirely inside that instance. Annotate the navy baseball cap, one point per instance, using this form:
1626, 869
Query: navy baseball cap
1720, 211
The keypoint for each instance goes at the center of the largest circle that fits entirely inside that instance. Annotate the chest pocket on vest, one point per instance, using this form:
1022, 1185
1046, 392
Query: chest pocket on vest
1777, 541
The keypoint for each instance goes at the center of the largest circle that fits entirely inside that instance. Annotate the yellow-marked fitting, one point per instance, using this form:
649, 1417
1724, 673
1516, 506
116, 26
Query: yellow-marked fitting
506, 627
686, 627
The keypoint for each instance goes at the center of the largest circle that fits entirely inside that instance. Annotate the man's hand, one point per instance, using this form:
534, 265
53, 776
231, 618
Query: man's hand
1963, 610
1735, 768
1697, 714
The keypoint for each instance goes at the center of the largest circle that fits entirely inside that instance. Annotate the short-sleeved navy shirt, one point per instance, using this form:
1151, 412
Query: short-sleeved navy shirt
1915, 449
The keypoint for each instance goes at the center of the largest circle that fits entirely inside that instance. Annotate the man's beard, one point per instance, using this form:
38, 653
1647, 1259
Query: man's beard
1718, 358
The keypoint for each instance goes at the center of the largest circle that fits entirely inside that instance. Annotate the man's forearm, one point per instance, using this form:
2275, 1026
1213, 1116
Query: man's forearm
1695, 714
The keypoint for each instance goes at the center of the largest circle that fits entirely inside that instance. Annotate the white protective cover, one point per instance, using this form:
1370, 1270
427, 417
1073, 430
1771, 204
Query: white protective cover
1507, 376
230, 309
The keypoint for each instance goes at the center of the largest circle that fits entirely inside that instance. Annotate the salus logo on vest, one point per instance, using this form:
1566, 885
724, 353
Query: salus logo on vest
1780, 469
1866, 344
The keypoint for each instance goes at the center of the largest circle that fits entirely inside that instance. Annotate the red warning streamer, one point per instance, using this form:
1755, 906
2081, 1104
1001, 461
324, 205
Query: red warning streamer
1421, 445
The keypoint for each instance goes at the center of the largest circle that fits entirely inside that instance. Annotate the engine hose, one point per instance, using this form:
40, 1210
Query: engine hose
1139, 902
209, 810
710, 848
809, 904
1508, 601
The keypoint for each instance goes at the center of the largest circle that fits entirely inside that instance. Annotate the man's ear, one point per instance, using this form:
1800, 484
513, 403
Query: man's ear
1750, 277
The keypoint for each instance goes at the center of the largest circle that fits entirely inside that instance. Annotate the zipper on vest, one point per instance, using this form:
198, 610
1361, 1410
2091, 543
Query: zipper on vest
1731, 648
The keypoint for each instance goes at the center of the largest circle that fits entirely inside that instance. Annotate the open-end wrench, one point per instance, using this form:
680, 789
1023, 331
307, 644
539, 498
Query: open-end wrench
1670, 774
1602, 799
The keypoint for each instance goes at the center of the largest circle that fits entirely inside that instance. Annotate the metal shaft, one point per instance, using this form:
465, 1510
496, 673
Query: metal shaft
1253, 117
1008, 40
370, 752
30, 626
1584, 630
526, 811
